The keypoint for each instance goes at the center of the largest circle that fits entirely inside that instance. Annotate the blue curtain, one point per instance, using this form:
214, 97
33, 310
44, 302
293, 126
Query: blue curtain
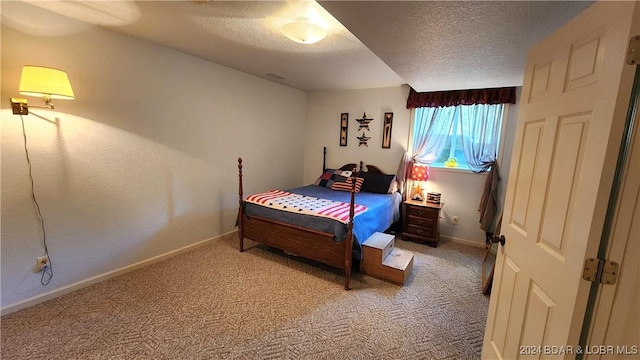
431, 130
480, 133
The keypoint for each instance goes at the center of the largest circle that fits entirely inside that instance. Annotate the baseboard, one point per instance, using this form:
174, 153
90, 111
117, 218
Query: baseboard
102, 277
463, 241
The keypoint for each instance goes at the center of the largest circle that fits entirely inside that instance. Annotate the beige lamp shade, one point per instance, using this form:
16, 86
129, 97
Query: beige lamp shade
45, 82
304, 32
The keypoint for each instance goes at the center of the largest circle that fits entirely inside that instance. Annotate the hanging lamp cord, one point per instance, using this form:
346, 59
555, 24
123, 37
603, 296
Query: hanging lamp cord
47, 272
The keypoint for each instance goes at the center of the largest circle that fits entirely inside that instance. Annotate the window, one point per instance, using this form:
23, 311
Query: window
462, 137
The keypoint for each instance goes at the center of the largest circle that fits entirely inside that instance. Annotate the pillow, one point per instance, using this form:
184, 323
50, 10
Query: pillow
347, 185
377, 183
394, 186
330, 176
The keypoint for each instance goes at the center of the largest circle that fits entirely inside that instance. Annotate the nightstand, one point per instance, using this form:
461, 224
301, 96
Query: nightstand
420, 222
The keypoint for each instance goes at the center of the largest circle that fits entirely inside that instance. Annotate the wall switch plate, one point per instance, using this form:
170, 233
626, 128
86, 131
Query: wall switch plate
455, 220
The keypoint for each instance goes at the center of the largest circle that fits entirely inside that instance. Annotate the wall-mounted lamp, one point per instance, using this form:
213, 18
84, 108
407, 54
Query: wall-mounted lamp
304, 31
50, 84
41, 81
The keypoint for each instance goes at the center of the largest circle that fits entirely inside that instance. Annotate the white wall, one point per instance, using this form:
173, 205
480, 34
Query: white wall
142, 163
323, 128
461, 191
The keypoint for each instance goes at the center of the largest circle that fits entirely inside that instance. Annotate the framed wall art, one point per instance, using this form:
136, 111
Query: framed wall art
344, 127
386, 130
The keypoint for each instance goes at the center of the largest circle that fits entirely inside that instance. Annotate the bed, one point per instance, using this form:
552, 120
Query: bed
333, 240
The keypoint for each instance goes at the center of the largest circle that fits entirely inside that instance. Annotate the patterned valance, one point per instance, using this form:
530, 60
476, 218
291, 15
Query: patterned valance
505, 95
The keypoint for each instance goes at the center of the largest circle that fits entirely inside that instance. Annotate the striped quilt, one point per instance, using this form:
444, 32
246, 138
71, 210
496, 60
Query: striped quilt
308, 205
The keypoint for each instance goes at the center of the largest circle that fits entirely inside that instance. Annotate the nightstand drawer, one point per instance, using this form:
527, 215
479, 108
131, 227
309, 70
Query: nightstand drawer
422, 212
422, 221
420, 231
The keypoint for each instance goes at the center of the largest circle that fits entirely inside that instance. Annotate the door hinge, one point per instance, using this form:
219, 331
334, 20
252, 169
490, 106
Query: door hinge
633, 52
601, 271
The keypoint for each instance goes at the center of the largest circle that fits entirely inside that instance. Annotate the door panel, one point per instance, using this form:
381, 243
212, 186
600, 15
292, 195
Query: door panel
566, 166
585, 61
567, 131
535, 328
524, 176
506, 287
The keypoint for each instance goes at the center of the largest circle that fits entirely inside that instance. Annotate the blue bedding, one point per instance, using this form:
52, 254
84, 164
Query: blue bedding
383, 210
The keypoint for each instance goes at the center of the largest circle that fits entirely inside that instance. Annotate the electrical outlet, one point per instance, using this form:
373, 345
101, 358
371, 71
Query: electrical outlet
455, 220
41, 262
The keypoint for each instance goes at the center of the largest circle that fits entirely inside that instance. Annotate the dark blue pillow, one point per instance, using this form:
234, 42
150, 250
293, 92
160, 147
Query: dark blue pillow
376, 183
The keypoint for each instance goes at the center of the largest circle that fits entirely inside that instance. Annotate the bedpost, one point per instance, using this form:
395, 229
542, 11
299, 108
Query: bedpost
324, 159
348, 246
361, 169
240, 232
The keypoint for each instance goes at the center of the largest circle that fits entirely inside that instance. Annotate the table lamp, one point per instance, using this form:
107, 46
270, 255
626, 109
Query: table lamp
419, 173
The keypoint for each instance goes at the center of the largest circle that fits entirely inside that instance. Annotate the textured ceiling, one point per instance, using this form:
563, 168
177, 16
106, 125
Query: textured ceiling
430, 45
447, 45
246, 36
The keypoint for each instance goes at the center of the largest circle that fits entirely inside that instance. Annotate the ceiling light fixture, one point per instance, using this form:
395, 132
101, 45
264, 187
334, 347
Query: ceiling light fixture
304, 31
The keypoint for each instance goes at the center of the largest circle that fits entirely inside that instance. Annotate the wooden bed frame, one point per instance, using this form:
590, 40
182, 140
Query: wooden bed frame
294, 239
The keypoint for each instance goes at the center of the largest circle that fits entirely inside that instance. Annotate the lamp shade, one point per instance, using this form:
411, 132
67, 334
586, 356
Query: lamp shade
419, 173
304, 32
45, 82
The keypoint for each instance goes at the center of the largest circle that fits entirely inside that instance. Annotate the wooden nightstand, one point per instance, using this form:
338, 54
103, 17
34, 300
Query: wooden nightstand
420, 222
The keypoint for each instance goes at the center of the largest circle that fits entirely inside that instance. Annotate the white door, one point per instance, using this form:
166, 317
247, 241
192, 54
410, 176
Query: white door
575, 96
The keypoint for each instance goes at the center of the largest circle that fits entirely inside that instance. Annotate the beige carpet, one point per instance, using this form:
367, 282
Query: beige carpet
217, 303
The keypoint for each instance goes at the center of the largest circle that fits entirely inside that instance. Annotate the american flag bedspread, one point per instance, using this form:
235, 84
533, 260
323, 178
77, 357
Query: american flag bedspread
308, 205
381, 211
